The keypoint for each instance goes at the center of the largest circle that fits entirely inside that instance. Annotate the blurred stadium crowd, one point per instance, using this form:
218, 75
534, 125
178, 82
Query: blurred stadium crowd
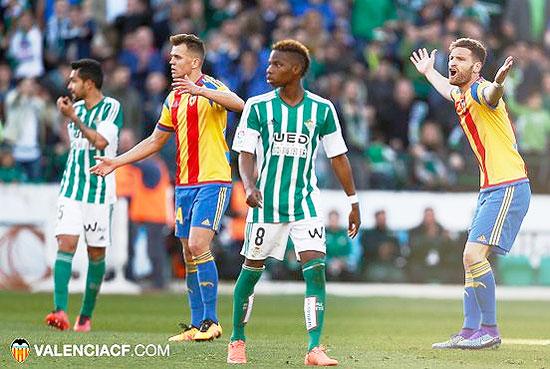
400, 132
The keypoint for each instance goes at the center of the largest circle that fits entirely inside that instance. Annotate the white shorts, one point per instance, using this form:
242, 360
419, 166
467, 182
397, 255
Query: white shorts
263, 240
76, 217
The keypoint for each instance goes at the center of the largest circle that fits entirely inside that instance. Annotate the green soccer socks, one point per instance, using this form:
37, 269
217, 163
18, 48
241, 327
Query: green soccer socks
314, 303
243, 299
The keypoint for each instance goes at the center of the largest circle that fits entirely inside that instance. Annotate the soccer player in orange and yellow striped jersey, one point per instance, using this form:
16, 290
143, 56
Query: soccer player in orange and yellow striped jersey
196, 111
199, 125
505, 193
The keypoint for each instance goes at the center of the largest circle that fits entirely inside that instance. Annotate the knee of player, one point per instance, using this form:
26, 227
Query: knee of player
471, 257
67, 244
96, 253
187, 256
197, 248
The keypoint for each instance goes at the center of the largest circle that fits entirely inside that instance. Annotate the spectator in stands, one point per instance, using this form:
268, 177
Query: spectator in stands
149, 209
78, 39
401, 116
338, 249
5, 86
24, 110
428, 243
10, 172
379, 13
155, 94
380, 251
472, 9
386, 170
57, 28
25, 48
526, 20
126, 178
239, 32
357, 117
381, 84
430, 170
141, 56
136, 15
546, 90
250, 76
533, 128
119, 87
162, 27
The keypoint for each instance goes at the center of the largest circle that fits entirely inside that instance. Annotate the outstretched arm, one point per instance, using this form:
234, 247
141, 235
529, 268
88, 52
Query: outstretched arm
342, 169
494, 92
148, 146
227, 99
424, 63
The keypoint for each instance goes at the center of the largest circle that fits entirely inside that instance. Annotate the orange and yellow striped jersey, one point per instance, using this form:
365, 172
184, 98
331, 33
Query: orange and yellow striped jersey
491, 136
202, 154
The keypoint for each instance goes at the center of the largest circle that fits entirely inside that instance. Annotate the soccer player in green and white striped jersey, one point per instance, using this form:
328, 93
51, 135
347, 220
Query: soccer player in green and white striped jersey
277, 140
85, 200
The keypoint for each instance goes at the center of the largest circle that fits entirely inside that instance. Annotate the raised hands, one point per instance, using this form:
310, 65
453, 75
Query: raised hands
503, 71
423, 61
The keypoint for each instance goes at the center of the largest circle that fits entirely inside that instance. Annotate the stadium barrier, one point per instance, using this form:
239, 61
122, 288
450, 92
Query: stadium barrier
28, 216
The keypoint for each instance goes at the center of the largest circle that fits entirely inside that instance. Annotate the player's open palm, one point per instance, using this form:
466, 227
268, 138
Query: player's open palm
104, 166
503, 71
423, 61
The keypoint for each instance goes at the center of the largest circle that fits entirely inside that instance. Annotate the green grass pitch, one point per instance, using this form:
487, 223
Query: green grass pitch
360, 332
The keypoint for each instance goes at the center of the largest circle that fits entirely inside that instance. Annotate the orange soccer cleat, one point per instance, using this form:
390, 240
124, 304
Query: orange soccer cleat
82, 324
236, 352
318, 357
58, 319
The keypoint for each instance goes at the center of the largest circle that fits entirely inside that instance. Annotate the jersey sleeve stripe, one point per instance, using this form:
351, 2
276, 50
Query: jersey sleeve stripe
474, 91
212, 81
210, 85
164, 128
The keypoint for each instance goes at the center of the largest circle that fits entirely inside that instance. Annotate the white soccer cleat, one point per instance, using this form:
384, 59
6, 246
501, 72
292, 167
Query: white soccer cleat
451, 343
484, 341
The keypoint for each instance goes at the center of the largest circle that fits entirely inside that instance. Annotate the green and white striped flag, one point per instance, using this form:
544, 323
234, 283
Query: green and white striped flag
77, 182
285, 140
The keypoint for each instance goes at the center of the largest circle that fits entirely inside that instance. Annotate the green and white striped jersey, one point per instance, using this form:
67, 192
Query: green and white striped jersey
77, 182
285, 140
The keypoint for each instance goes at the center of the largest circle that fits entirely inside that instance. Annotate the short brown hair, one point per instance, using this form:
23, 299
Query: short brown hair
192, 42
476, 47
293, 46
